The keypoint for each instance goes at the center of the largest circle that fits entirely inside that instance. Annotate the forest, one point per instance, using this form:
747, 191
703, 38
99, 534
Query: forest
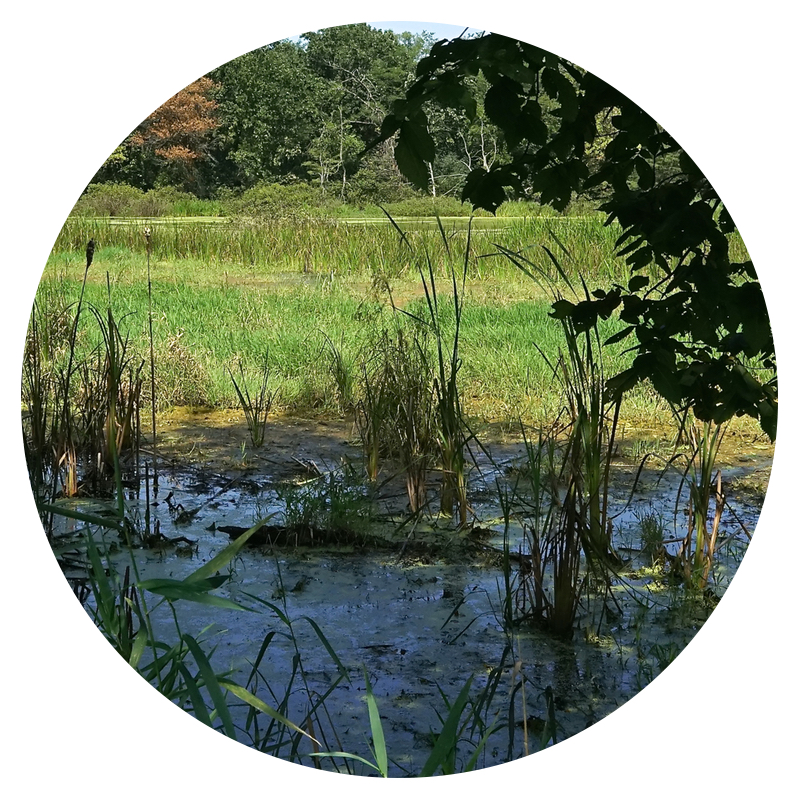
297, 115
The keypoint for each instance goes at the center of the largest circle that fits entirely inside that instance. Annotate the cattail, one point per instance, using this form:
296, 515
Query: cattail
89, 253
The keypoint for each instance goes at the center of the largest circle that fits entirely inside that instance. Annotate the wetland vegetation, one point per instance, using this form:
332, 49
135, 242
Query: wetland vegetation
392, 496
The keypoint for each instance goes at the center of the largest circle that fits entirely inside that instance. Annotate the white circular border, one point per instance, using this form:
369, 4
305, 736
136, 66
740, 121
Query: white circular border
80, 76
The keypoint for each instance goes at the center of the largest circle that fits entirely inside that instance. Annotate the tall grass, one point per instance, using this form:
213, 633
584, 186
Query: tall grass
450, 423
396, 414
257, 406
80, 403
201, 328
586, 430
347, 248
695, 557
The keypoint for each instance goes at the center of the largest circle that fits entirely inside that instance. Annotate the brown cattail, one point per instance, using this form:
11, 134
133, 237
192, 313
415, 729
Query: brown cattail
89, 253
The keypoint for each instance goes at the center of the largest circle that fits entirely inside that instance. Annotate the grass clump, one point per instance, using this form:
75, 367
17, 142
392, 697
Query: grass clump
256, 407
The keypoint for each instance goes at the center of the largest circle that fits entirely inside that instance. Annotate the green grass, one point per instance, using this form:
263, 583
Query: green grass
201, 330
363, 247
225, 293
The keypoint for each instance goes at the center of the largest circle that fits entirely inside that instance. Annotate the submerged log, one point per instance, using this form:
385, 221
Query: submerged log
298, 536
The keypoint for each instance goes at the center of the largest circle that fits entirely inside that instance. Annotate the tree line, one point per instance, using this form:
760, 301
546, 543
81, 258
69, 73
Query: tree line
303, 112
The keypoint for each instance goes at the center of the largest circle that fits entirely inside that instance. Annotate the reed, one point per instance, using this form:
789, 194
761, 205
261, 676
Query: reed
257, 406
451, 426
153, 395
81, 408
344, 373
344, 247
695, 557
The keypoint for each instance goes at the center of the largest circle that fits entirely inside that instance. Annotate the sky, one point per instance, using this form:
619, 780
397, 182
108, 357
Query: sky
441, 30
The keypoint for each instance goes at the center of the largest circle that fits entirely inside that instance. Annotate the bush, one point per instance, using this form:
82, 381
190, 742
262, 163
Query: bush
108, 200
375, 183
426, 206
121, 200
278, 201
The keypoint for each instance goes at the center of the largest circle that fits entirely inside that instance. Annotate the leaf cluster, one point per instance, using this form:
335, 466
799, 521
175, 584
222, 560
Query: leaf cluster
697, 317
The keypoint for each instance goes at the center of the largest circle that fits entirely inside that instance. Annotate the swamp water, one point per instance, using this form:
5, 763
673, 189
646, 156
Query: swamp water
422, 621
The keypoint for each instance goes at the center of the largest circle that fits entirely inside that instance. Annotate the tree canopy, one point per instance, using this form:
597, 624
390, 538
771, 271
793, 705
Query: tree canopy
292, 111
699, 327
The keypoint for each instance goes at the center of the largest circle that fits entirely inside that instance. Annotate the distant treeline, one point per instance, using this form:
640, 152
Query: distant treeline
292, 114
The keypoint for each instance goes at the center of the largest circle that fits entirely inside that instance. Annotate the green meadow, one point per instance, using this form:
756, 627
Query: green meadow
314, 295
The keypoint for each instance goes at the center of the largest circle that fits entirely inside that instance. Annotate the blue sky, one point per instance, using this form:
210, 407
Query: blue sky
441, 30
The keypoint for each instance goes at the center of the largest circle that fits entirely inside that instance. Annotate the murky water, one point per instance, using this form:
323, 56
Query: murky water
422, 625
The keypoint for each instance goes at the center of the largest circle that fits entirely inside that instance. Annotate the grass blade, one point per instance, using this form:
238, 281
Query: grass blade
195, 592
225, 556
327, 645
447, 739
260, 705
378, 739
213, 686
198, 703
338, 754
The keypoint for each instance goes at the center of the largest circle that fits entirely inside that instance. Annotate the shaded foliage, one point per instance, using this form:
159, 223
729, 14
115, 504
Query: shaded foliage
699, 328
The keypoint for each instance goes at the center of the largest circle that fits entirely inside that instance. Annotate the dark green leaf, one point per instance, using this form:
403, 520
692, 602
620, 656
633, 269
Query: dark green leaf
620, 335
562, 309
414, 148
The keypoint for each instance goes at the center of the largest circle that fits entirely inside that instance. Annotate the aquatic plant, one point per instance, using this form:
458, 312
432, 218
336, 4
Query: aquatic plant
695, 556
344, 375
334, 502
256, 407
652, 532
586, 429
81, 409
153, 395
396, 413
371, 412
444, 366
451, 427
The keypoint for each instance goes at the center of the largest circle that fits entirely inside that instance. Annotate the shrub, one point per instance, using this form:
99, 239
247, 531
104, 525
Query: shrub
276, 201
426, 206
375, 184
122, 200
108, 200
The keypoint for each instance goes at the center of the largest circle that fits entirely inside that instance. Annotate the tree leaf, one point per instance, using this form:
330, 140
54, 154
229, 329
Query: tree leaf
414, 148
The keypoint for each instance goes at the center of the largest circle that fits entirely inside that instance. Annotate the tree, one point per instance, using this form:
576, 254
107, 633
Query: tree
362, 70
269, 104
701, 330
177, 133
365, 69
334, 153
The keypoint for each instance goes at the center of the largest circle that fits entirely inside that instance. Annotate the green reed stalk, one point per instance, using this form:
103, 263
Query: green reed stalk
704, 487
450, 417
152, 359
66, 447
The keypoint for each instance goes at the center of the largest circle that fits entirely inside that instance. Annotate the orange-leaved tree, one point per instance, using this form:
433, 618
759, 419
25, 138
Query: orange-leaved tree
178, 132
